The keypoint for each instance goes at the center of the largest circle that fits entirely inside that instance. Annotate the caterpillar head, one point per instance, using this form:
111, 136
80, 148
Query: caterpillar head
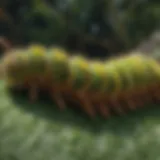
14, 66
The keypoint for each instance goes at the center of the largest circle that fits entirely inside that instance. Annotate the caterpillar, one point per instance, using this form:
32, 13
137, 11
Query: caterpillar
106, 86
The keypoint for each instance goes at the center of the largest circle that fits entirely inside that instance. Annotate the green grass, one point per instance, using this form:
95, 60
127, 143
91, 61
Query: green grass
41, 132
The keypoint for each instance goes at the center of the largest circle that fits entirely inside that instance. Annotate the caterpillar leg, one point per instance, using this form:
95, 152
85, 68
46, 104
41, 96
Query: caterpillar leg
115, 105
143, 97
137, 99
57, 97
100, 104
149, 96
129, 101
33, 93
131, 105
103, 110
155, 93
86, 105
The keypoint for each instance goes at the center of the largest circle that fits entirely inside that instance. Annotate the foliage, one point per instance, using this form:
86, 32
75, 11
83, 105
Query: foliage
91, 26
40, 131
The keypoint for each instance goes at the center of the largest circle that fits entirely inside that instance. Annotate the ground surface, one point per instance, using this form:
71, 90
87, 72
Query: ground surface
41, 132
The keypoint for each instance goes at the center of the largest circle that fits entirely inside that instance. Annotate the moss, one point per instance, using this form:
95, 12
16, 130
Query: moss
40, 131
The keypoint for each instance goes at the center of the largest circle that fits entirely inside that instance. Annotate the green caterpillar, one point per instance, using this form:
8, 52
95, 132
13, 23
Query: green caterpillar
88, 82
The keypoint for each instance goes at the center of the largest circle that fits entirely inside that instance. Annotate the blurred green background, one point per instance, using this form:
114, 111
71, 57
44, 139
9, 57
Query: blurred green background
97, 27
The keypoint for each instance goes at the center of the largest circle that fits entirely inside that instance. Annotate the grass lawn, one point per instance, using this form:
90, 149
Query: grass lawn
41, 132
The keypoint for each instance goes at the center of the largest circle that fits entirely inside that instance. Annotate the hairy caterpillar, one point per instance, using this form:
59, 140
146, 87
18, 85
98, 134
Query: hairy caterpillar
115, 85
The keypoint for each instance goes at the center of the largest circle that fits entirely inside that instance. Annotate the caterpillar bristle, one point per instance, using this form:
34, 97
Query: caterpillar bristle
97, 87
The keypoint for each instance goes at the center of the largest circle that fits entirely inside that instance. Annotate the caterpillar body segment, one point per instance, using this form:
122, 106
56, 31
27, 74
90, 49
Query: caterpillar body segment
79, 73
36, 61
115, 85
139, 77
58, 66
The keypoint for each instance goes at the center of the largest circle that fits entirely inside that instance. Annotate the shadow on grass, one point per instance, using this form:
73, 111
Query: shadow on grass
119, 125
